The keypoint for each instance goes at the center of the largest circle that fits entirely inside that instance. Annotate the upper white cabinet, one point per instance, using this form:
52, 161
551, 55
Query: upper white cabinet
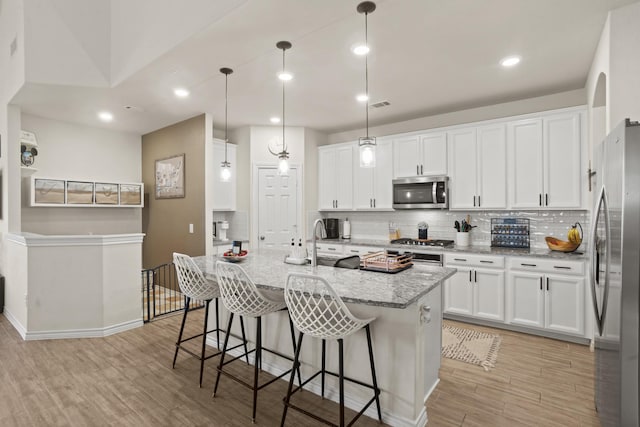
424, 154
335, 170
478, 168
545, 162
224, 193
372, 186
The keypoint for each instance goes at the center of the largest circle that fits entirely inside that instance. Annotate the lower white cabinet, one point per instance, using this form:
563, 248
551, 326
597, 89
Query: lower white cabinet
360, 250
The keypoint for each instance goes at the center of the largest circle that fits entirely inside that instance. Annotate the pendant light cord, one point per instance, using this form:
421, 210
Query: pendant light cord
226, 92
284, 146
366, 71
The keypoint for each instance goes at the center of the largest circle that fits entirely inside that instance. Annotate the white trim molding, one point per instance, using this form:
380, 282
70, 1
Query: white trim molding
39, 240
83, 333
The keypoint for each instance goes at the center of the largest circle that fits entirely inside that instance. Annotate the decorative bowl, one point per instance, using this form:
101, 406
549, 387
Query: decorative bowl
234, 257
560, 245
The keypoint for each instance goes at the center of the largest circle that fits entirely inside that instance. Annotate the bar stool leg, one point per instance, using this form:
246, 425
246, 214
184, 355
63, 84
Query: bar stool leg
204, 338
341, 377
293, 341
184, 319
376, 390
244, 339
296, 365
224, 351
257, 362
324, 350
217, 325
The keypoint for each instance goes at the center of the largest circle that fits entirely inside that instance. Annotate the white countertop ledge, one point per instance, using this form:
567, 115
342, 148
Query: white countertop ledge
41, 240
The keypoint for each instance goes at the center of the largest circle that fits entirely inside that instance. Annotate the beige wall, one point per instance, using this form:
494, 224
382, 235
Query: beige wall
166, 221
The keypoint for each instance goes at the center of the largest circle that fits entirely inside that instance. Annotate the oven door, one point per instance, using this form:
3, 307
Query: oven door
420, 193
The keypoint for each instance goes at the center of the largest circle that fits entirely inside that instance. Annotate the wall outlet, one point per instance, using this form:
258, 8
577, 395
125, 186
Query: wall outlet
191, 228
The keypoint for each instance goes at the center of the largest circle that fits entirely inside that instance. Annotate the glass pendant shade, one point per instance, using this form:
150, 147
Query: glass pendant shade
225, 167
367, 146
283, 167
225, 172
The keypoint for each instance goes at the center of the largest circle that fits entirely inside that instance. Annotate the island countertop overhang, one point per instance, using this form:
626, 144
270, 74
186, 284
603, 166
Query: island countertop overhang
268, 270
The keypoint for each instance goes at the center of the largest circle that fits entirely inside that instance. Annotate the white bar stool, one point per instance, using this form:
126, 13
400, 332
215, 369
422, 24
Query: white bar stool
193, 285
241, 296
316, 309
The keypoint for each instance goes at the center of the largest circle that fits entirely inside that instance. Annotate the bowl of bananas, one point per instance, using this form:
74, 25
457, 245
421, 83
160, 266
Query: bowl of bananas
574, 236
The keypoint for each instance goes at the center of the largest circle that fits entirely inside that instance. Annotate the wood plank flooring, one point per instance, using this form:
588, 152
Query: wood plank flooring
127, 380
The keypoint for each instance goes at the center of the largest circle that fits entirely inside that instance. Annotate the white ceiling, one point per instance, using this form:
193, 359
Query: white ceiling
428, 57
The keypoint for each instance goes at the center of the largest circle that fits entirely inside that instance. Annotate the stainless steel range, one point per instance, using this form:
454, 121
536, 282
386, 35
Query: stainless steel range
418, 242
420, 250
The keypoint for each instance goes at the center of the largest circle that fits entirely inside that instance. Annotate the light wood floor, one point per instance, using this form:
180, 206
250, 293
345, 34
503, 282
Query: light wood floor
127, 380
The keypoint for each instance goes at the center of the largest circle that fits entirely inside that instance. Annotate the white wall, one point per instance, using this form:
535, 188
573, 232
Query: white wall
261, 135
72, 151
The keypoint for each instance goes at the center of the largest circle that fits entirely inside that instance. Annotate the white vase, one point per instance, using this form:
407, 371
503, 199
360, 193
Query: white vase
462, 238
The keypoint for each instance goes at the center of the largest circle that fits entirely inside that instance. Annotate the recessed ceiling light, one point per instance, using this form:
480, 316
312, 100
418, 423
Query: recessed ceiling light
275, 119
362, 97
285, 76
181, 92
105, 116
361, 49
510, 61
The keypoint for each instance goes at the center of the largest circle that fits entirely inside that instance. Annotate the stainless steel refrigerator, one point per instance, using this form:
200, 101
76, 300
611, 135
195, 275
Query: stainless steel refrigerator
615, 275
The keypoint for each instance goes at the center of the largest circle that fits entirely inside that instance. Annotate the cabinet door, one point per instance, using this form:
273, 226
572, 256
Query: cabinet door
224, 193
564, 308
463, 169
492, 161
406, 157
363, 183
562, 149
434, 154
327, 178
458, 293
488, 294
526, 299
525, 163
344, 177
383, 175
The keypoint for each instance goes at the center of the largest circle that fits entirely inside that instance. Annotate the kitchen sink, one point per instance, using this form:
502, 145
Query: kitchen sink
350, 262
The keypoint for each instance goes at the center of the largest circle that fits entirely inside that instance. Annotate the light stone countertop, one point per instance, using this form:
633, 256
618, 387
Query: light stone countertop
267, 269
579, 255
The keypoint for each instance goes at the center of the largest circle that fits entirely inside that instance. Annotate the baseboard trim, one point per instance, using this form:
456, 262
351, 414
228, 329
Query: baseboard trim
16, 324
83, 333
333, 394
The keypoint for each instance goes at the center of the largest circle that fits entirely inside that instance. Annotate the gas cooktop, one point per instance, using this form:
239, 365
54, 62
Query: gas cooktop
420, 242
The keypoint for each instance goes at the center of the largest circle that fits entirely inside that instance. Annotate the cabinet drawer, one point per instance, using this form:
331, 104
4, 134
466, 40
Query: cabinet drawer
542, 265
327, 248
474, 260
360, 250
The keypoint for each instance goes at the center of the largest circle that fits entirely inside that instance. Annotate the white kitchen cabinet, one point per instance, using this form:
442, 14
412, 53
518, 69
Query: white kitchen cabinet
478, 168
372, 186
545, 162
360, 250
477, 288
335, 171
224, 193
424, 154
541, 298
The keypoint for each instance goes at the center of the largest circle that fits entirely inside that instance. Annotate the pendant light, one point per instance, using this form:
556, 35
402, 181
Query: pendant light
367, 144
225, 170
283, 156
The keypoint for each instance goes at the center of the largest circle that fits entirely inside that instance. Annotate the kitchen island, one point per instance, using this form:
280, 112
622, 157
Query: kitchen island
407, 332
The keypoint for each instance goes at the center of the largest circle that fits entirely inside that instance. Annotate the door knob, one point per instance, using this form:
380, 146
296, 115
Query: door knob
261, 237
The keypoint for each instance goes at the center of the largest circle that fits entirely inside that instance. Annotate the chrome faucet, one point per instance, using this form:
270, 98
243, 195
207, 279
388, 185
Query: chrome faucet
314, 250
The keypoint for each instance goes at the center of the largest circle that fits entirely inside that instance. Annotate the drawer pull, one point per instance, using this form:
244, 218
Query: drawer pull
486, 262
331, 249
528, 265
562, 267
354, 251
459, 259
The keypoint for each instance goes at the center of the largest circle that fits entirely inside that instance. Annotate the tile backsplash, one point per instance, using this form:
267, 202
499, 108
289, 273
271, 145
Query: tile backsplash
375, 225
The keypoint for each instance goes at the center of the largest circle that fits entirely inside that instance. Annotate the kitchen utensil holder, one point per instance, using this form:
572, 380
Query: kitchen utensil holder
462, 238
510, 233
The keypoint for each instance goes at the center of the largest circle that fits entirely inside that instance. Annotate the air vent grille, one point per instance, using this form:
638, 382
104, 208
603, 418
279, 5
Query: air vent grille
380, 104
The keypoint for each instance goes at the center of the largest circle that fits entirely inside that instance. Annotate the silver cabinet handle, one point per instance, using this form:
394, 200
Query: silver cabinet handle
486, 261
459, 259
354, 251
540, 199
475, 276
546, 199
421, 172
374, 203
469, 275
478, 201
562, 267
528, 265
547, 283
417, 169
474, 201
331, 249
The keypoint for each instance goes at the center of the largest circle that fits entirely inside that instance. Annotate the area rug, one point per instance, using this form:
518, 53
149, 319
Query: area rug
466, 345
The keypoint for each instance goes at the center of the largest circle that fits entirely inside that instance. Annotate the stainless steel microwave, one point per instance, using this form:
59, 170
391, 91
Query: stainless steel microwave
421, 192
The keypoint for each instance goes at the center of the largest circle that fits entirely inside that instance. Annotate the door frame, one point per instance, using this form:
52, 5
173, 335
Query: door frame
255, 202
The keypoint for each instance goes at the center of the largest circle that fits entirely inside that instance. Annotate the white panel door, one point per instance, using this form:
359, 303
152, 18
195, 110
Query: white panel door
434, 154
326, 178
525, 163
344, 177
406, 157
224, 193
562, 171
383, 175
463, 169
277, 208
527, 299
458, 293
564, 308
488, 294
492, 160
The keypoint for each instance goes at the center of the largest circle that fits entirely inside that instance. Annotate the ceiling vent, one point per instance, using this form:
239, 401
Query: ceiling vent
380, 104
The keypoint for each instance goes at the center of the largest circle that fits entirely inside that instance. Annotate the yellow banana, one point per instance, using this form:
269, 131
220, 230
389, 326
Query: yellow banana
574, 235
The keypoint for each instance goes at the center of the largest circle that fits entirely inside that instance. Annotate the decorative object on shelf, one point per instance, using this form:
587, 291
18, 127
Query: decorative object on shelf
283, 155
510, 233
131, 194
79, 193
367, 144
49, 191
170, 177
106, 194
28, 147
225, 171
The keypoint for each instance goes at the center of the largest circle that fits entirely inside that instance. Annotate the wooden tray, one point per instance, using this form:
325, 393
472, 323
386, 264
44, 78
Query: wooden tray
385, 263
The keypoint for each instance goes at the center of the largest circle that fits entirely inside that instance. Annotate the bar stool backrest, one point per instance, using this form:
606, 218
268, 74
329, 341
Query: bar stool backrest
240, 295
191, 280
317, 310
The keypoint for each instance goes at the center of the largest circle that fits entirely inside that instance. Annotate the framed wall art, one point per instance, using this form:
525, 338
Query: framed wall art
170, 174
51, 192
